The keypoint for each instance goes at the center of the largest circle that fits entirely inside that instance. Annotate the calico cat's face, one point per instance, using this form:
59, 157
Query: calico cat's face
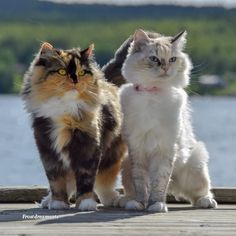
155, 61
54, 72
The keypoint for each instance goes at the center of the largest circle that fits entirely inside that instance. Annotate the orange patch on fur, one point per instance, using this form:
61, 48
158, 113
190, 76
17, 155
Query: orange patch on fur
107, 177
38, 73
70, 183
57, 85
66, 57
58, 188
86, 125
63, 186
63, 137
51, 87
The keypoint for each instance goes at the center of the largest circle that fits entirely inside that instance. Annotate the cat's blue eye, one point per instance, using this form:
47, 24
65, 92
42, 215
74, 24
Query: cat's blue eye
172, 59
155, 59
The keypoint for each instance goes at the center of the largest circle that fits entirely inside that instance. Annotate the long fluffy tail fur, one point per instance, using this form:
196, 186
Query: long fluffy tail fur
112, 69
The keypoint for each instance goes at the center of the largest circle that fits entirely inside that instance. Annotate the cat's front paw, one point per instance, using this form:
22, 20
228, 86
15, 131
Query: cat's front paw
87, 204
134, 205
123, 200
158, 207
45, 202
116, 201
51, 204
58, 205
206, 202
110, 199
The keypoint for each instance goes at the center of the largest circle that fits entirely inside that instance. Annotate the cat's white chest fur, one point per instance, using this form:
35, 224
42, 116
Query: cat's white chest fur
151, 119
69, 103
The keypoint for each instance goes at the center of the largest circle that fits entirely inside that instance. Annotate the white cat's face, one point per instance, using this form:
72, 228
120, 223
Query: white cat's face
158, 61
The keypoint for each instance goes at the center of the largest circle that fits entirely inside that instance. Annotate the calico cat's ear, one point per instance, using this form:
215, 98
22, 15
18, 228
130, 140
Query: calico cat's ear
45, 47
88, 52
140, 37
179, 40
41, 60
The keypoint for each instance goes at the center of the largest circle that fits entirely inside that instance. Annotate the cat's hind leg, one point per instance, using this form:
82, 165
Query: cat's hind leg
193, 180
109, 170
105, 185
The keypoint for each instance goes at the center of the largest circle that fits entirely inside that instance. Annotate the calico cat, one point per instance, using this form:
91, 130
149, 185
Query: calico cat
76, 118
163, 151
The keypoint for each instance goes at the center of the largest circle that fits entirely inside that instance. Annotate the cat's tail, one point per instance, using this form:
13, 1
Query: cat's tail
112, 69
195, 179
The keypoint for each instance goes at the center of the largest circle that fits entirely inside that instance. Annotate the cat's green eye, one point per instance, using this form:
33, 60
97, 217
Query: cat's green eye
62, 72
172, 59
81, 73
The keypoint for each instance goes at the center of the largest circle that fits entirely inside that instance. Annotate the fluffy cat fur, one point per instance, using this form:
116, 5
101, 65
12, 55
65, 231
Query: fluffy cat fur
76, 118
164, 154
112, 69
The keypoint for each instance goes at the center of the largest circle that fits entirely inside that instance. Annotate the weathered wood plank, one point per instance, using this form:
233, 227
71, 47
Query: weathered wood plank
180, 220
22, 193
225, 195
35, 193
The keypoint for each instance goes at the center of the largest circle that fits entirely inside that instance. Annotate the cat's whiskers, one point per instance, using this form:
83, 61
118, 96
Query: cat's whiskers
199, 67
192, 92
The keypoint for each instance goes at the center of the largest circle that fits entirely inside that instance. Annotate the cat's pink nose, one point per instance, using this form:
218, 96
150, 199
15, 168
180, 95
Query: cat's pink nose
165, 68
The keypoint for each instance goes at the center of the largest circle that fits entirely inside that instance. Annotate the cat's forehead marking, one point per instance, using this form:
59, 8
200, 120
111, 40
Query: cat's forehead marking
163, 49
68, 56
65, 56
153, 50
72, 68
77, 62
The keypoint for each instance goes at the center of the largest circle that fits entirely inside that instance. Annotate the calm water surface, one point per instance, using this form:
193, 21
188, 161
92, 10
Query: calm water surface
214, 121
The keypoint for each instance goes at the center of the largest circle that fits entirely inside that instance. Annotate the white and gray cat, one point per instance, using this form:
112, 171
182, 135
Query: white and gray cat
164, 155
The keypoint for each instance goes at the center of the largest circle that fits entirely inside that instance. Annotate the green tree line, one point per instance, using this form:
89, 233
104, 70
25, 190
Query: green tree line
211, 43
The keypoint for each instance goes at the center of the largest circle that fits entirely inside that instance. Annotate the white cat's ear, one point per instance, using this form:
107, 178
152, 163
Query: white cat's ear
140, 37
45, 47
179, 40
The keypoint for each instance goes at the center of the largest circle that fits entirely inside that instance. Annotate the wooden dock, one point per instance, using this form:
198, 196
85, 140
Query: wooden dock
27, 219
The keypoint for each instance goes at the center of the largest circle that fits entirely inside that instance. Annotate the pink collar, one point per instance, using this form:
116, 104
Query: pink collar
139, 88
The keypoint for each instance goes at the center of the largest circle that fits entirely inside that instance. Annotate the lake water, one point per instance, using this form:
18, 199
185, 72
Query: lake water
214, 120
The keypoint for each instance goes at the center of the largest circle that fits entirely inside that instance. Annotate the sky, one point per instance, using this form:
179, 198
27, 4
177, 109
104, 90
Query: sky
224, 3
